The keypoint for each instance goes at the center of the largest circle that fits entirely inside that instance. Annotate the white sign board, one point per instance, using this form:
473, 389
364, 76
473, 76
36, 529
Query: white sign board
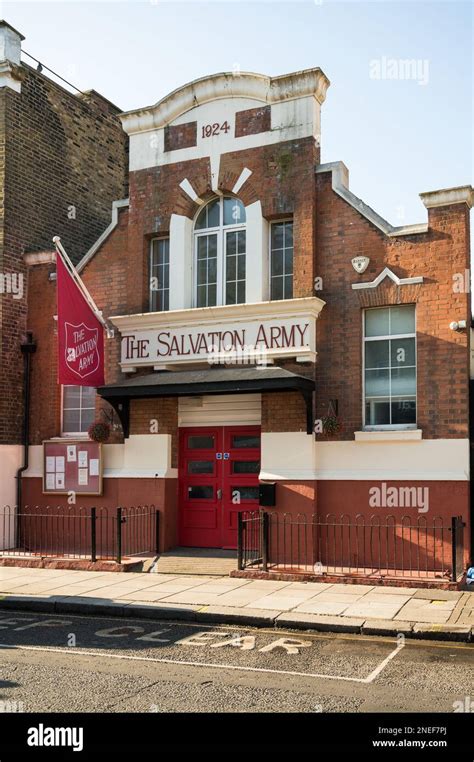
272, 337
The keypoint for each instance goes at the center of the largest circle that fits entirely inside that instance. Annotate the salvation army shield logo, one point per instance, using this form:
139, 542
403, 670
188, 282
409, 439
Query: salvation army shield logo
82, 349
360, 264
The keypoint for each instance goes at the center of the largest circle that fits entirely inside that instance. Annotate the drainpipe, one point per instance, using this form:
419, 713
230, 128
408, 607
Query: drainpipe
27, 349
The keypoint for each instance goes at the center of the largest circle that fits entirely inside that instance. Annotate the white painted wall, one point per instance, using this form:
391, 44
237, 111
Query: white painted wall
295, 455
141, 456
290, 120
257, 255
11, 458
181, 262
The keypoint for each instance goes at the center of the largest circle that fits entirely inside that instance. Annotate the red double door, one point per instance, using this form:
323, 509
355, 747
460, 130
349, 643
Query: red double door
218, 477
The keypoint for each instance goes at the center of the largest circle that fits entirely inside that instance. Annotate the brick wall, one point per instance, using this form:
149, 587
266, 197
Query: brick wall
328, 233
63, 160
145, 414
282, 180
442, 354
180, 136
252, 121
283, 411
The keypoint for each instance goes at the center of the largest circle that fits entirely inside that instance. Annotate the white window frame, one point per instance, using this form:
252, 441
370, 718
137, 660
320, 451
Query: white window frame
278, 222
220, 231
71, 434
150, 255
388, 426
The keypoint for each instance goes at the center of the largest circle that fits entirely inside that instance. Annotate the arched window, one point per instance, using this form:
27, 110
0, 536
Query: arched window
219, 253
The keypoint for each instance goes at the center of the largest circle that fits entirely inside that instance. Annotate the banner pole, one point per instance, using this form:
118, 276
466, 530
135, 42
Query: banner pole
81, 285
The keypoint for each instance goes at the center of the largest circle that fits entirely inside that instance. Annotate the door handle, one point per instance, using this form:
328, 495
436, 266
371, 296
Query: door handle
219, 494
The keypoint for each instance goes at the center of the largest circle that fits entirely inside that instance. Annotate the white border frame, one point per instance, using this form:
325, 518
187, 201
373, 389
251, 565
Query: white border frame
150, 253
71, 434
276, 222
220, 231
389, 426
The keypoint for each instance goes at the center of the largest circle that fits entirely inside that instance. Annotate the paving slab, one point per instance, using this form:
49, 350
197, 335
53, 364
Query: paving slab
267, 584
222, 586
146, 594
343, 587
229, 615
389, 590
393, 600
374, 609
313, 607
447, 631
278, 602
333, 596
322, 623
193, 597
386, 627
438, 595
241, 597
15, 583
148, 610
411, 613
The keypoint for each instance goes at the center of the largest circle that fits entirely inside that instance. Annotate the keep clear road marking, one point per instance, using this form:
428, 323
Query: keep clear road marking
237, 668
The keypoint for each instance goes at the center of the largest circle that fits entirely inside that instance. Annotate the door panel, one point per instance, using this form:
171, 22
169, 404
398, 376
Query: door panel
218, 477
241, 470
199, 481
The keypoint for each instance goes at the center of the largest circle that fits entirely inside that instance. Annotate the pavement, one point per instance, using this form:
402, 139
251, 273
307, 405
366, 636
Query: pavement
359, 609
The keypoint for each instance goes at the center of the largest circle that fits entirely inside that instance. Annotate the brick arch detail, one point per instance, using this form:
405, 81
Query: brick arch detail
387, 294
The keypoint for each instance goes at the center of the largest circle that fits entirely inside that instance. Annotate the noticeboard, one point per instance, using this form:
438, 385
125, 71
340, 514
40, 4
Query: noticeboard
72, 466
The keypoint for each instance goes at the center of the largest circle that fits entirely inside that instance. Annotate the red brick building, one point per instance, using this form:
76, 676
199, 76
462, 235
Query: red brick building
269, 326
50, 138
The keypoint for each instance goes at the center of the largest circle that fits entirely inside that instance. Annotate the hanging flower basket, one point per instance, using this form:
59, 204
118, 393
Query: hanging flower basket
331, 425
99, 431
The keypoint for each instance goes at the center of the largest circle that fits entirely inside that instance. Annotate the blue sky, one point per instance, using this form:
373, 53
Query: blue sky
398, 137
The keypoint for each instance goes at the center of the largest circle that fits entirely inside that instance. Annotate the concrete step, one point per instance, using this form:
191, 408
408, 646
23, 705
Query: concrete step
208, 562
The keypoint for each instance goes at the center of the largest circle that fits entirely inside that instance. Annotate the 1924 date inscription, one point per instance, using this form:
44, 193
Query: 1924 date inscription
210, 130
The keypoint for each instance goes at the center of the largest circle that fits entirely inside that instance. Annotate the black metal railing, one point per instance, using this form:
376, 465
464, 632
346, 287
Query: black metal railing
407, 547
79, 532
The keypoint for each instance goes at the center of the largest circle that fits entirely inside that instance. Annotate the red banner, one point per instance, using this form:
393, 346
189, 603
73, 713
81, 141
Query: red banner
81, 335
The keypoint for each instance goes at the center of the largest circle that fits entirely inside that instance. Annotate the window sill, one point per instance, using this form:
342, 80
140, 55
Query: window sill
62, 437
390, 435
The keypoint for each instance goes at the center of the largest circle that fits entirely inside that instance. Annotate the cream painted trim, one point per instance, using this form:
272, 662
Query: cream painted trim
340, 185
181, 266
288, 455
141, 456
186, 186
310, 82
286, 308
422, 460
11, 458
387, 273
39, 258
463, 194
170, 473
116, 205
408, 435
244, 176
296, 456
9, 76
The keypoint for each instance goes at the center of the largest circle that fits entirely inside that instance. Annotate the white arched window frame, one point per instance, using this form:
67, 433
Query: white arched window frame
220, 245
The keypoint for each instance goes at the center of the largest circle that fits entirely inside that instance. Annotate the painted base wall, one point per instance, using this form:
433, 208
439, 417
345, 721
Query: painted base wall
299, 501
11, 458
349, 502
161, 493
